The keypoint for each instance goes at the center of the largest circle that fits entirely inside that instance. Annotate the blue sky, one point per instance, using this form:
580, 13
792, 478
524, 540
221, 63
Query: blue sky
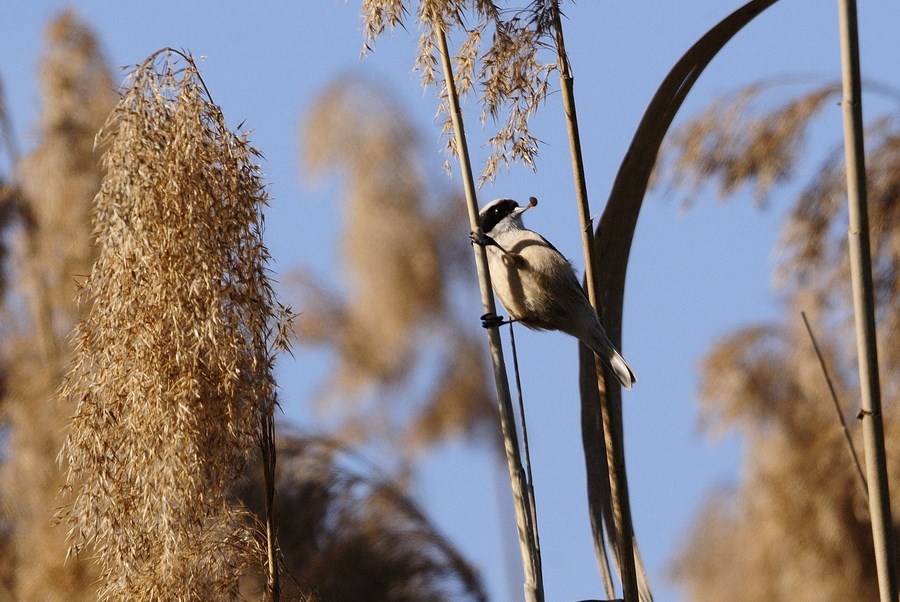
694, 274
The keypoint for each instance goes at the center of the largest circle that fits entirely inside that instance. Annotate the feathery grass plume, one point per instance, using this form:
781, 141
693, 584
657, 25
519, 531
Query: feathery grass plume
173, 372
54, 186
511, 78
815, 235
797, 526
735, 144
401, 256
350, 534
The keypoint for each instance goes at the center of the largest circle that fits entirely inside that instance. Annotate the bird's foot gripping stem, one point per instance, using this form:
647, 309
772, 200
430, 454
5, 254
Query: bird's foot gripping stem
484, 240
492, 320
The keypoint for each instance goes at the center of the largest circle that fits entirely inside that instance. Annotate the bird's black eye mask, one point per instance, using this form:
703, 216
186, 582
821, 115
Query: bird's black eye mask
495, 214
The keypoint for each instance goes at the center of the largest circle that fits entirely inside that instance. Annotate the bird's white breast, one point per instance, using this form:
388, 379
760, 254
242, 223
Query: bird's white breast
525, 276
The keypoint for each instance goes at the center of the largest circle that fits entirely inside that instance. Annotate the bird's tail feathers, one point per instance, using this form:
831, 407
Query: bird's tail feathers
621, 369
603, 347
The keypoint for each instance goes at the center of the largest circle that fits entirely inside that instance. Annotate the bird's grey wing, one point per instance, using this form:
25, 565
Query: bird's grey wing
549, 244
569, 274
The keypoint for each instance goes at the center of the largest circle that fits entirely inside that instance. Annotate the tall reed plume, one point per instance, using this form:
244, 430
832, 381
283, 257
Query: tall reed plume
351, 534
399, 244
173, 373
53, 187
796, 526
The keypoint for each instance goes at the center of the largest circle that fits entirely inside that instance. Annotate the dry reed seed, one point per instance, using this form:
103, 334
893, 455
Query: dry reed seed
173, 372
354, 531
54, 186
510, 78
734, 144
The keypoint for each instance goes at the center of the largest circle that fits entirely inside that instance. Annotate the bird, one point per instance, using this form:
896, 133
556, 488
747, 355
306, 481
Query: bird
537, 285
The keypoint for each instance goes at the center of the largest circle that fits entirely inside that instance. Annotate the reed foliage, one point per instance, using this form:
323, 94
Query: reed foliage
798, 516
391, 311
172, 375
352, 534
173, 368
499, 58
50, 193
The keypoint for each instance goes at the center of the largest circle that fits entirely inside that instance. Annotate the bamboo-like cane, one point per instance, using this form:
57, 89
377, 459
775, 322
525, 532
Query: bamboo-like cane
615, 456
864, 305
526, 517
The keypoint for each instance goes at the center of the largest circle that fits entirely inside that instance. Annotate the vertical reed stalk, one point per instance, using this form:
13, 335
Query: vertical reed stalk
615, 456
526, 517
864, 305
267, 432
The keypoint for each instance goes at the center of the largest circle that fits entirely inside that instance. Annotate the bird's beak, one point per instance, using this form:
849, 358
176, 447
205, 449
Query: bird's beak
520, 210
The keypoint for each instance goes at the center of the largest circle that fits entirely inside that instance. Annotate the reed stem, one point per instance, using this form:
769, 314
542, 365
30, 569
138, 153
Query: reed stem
526, 517
615, 457
864, 305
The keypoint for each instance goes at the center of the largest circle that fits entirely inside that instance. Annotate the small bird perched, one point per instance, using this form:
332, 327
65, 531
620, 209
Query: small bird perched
538, 286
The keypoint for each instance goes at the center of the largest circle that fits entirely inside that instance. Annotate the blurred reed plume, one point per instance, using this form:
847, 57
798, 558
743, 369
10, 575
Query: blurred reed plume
352, 535
734, 145
50, 192
173, 370
403, 248
797, 525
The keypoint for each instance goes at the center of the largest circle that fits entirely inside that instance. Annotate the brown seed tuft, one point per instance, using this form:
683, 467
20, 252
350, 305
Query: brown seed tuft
173, 372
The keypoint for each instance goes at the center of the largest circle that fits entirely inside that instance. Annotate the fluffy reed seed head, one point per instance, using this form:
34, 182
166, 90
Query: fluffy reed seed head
354, 534
54, 187
797, 525
174, 360
511, 76
402, 257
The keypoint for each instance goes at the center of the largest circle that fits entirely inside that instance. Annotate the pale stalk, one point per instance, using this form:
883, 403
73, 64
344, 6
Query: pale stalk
615, 453
864, 305
526, 518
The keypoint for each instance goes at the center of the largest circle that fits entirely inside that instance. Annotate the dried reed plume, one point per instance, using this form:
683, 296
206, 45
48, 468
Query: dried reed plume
511, 79
797, 526
53, 188
173, 373
401, 259
350, 534
734, 144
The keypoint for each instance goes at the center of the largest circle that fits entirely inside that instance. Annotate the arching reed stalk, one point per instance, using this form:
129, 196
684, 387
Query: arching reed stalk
173, 370
615, 232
